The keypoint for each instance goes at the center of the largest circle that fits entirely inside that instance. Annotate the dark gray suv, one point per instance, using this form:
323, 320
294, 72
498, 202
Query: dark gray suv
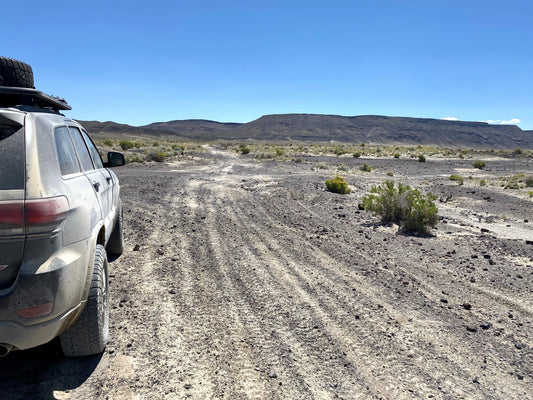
60, 215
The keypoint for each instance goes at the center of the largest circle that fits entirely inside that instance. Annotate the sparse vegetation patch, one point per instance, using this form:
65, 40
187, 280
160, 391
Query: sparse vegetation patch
411, 210
337, 185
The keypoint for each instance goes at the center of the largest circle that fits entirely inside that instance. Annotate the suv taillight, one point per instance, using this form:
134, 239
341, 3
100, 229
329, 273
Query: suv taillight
32, 213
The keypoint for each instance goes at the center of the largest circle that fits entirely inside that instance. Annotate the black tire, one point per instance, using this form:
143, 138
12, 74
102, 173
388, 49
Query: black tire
115, 245
90, 332
15, 73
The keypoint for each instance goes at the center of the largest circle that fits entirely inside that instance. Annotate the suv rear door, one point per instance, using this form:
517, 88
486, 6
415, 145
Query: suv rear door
92, 171
12, 185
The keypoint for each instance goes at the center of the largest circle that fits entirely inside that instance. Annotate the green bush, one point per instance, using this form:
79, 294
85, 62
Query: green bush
279, 152
479, 164
396, 155
245, 150
126, 144
337, 185
518, 151
407, 207
107, 142
421, 158
457, 178
366, 168
158, 156
529, 181
357, 154
321, 165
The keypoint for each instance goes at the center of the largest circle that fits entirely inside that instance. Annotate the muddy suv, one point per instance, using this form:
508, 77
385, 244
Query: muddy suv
60, 215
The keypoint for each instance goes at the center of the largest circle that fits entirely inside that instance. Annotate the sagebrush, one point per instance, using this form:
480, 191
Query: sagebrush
410, 209
337, 185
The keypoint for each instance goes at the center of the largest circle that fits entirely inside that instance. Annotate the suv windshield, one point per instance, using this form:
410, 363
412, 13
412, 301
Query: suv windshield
11, 157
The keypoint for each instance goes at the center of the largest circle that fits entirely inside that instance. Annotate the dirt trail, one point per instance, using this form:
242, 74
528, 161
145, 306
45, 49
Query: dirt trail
245, 280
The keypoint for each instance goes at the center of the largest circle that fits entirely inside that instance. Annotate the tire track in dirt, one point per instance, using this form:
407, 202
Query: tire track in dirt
443, 342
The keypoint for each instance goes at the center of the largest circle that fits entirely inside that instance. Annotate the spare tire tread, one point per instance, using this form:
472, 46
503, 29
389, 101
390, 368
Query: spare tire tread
14, 73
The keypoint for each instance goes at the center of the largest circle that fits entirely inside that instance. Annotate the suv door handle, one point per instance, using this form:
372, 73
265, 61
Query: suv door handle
97, 186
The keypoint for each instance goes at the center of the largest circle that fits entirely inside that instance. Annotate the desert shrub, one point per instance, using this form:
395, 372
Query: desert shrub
390, 173
517, 151
483, 182
337, 185
321, 165
407, 207
244, 150
421, 158
479, 164
366, 168
279, 152
339, 151
529, 181
158, 156
342, 167
457, 178
133, 158
107, 142
297, 160
530, 193
396, 155
127, 144
264, 156
357, 154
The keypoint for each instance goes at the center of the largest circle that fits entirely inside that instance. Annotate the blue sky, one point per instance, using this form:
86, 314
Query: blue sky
138, 62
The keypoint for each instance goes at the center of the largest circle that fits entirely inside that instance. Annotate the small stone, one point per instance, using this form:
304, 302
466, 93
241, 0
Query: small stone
272, 375
160, 252
471, 329
467, 306
529, 241
485, 325
443, 301
487, 256
172, 291
187, 386
485, 230
136, 248
519, 346
472, 279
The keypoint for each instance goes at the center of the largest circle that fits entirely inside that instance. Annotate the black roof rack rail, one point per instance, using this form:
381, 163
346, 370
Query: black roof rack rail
15, 96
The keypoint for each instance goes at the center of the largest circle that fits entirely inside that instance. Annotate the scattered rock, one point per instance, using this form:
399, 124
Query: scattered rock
485, 325
471, 329
467, 306
519, 345
272, 375
443, 301
485, 230
160, 252
187, 386
136, 247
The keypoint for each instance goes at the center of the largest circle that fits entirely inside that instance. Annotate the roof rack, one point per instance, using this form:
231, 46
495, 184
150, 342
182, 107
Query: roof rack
15, 96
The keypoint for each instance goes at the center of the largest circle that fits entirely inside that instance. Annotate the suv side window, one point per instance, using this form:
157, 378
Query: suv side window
81, 149
68, 163
94, 152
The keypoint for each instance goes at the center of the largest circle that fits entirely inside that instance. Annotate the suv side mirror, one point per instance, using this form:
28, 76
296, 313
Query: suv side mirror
115, 159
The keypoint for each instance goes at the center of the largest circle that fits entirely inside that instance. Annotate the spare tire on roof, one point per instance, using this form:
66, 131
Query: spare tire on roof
15, 73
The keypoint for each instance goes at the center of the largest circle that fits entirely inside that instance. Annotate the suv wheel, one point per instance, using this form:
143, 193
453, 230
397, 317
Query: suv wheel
115, 245
15, 73
89, 333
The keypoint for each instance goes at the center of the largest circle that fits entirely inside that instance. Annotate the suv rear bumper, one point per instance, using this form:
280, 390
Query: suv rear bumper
62, 280
24, 337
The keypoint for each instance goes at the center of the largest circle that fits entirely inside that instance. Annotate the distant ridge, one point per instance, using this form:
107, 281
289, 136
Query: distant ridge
372, 129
